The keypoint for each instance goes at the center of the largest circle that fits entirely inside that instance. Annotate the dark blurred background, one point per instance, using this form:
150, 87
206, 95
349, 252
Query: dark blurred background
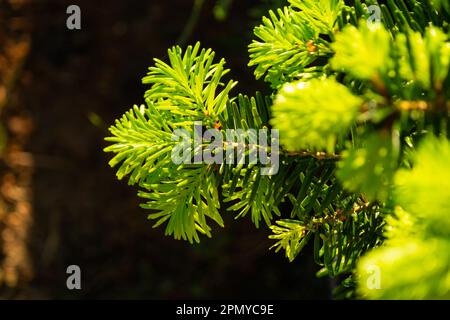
60, 203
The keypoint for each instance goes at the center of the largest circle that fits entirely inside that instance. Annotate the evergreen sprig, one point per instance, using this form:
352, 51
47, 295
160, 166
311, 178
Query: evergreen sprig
287, 48
352, 99
189, 86
415, 261
321, 121
187, 90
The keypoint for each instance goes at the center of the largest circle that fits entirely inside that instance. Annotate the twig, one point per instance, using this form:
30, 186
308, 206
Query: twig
191, 23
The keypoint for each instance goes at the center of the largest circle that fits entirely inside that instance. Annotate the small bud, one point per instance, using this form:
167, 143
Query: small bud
217, 125
311, 47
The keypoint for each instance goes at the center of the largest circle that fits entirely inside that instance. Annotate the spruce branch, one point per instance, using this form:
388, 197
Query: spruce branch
187, 89
352, 99
286, 48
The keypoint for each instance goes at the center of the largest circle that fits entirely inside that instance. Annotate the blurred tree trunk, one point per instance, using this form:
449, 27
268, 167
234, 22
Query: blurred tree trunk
16, 166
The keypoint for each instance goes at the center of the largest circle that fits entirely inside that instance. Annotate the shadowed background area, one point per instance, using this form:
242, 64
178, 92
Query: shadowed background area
60, 203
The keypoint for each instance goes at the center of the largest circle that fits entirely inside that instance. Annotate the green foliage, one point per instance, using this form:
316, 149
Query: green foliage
286, 49
243, 186
370, 168
442, 6
351, 100
139, 144
182, 92
414, 263
189, 86
425, 190
354, 46
144, 152
414, 269
185, 199
322, 14
420, 61
308, 119
291, 237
